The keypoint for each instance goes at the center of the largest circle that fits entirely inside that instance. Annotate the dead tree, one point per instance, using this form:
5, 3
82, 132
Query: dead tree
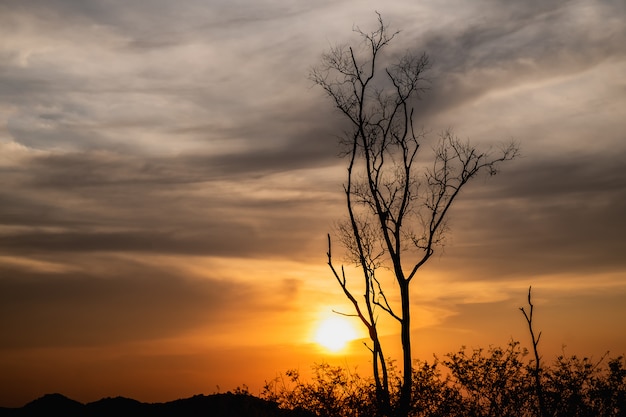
397, 208
537, 371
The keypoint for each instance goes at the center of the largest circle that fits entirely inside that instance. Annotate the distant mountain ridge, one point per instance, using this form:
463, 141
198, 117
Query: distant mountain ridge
215, 405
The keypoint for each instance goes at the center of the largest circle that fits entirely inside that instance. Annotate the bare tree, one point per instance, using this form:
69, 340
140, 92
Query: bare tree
397, 208
537, 371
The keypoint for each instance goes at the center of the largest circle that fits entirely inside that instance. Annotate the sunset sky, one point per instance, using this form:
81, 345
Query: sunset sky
168, 175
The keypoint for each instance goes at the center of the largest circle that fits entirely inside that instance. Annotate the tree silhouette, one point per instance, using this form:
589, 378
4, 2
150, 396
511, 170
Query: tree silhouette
535, 340
397, 209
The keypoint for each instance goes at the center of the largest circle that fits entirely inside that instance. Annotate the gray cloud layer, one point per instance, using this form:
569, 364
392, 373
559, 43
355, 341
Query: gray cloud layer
161, 128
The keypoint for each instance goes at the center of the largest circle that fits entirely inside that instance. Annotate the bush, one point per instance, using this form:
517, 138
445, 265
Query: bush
575, 387
333, 392
496, 382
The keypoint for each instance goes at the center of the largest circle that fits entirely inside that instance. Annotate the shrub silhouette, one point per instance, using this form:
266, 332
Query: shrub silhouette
497, 383
579, 387
482, 383
333, 392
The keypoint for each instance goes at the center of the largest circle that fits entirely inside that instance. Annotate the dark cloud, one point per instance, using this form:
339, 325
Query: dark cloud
544, 217
124, 302
512, 44
109, 191
229, 241
122, 172
100, 201
78, 309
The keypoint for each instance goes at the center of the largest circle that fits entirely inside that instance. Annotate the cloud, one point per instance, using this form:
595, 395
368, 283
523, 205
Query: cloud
164, 111
172, 130
511, 45
541, 217
103, 201
100, 94
78, 309
111, 300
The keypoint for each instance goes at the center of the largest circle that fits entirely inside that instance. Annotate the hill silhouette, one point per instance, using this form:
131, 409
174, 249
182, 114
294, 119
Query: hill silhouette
215, 405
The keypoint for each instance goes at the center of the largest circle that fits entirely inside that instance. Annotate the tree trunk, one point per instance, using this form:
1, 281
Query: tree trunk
404, 404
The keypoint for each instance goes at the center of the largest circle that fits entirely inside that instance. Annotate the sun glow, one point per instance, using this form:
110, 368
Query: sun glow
334, 333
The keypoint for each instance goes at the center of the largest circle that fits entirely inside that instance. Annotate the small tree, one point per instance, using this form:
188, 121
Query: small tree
537, 370
397, 210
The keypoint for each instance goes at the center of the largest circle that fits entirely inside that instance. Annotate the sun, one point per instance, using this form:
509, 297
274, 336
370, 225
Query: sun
334, 333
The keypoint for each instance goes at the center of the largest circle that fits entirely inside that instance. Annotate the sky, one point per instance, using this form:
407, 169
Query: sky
168, 175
